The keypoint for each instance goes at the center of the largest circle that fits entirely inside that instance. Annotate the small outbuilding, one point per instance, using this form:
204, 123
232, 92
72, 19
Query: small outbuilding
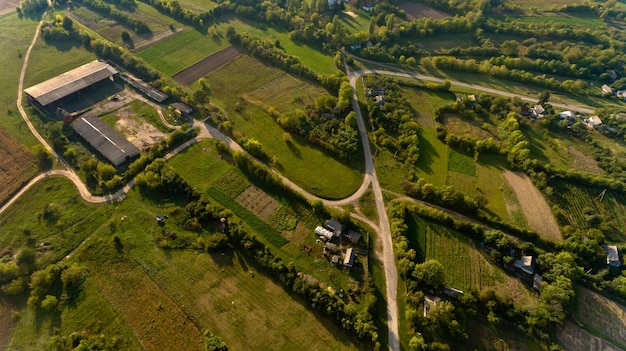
335, 227
324, 233
181, 109
612, 255
348, 258
526, 264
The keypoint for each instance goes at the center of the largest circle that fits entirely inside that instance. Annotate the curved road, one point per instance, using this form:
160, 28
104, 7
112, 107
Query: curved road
207, 131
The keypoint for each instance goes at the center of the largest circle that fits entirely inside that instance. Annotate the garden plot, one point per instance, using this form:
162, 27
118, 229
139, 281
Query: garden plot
602, 316
258, 202
584, 163
535, 208
17, 165
414, 10
574, 338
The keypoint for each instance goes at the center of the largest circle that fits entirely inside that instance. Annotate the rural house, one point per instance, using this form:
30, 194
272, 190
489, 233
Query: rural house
335, 227
612, 255
323, 232
348, 258
526, 264
593, 122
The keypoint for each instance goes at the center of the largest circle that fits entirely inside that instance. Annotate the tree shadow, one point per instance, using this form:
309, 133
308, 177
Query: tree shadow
294, 150
222, 258
427, 153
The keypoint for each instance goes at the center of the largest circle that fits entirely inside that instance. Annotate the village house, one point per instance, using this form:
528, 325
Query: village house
607, 90
526, 264
538, 111
593, 122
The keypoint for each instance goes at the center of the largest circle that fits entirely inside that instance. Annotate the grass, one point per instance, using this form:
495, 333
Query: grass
51, 211
301, 94
198, 5
433, 162
15, 35
269, 233
465, 267
182, 50
543, 5
232, 184
590, 20
143, 111
461, 163
200, 165
330, 178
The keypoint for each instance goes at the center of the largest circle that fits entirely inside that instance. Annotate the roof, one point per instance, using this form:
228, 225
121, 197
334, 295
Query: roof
107, 141
179, 106
324, 232
334, 225
353, 236
525, 264
594, 121
70, 82
348, 259
539, 109
566, 114
612, 255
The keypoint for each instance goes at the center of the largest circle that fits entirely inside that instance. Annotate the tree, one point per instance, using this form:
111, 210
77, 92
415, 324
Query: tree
544, 96
49, 303
26, 259
68, 24
213, 342
428, 275
510, 48
43, 157
106, 171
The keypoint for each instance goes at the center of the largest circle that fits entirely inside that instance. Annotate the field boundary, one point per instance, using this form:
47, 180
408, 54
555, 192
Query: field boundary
207, 65
536, 210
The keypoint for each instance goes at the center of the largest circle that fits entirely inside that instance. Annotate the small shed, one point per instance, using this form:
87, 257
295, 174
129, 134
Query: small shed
539, 111
526, 264
612, 255
353, 236
607, 90
334, 226
181, 108
430, 302
324, 232
348, 258
594, 121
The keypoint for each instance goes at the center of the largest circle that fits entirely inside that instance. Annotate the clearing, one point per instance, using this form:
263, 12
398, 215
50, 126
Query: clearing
207, 65
584, 163
414, 11
535, 208
17, 165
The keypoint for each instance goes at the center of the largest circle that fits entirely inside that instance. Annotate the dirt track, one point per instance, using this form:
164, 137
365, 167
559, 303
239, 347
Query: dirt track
207, 65
535, 208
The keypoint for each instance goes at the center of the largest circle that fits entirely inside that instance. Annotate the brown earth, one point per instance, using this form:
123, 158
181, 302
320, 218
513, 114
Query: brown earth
584, 163
258, 202
207, 65
7, 316
574, 338
7, 6
535, 208
604, 316
414, 10
17, 165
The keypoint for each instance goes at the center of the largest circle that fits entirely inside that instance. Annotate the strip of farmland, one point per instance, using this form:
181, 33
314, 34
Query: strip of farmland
207, 65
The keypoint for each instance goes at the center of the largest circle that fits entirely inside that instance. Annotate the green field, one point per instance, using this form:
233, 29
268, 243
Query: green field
465, 266
51, 212
590, 21
181, 50
272, 94
461, 163
15, 35
306, 165
544, 5
433, 162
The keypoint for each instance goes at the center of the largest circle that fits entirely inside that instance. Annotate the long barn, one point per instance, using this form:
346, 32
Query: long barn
105, 139
70, 82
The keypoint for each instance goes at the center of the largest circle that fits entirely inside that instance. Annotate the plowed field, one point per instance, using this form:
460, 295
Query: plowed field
535, 208
17, 165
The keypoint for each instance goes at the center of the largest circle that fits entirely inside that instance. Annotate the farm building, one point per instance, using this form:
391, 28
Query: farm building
353, 236
69, 83
181, 108
526, 264
612, 255
334, 226
348, 259
107, 141
324, 232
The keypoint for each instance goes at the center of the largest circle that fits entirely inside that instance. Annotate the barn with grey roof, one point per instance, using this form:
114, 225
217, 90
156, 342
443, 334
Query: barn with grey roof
70, 82
105, 139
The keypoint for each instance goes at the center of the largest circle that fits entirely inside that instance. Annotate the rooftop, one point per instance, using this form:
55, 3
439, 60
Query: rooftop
107, 141
70, 82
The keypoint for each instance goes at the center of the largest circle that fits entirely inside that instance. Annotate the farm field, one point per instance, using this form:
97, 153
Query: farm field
50, 212
414, 10
574, 338
433, 162
272, 94
15, 35
181, 50
536, 210
17, 165
110, 29
331, 178
581, 205
465, 267
601, 316
207, 65
544, 5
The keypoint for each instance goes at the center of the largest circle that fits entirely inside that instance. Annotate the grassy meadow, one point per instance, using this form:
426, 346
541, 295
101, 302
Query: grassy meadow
15, 34
331, 178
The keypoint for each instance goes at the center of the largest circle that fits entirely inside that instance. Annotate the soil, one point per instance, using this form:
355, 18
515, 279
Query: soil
258, 202
207, 65
606, 317
535, 208
139, 133
574, 338
414, 11
584, 163
17, 165
7, 6
7, 316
